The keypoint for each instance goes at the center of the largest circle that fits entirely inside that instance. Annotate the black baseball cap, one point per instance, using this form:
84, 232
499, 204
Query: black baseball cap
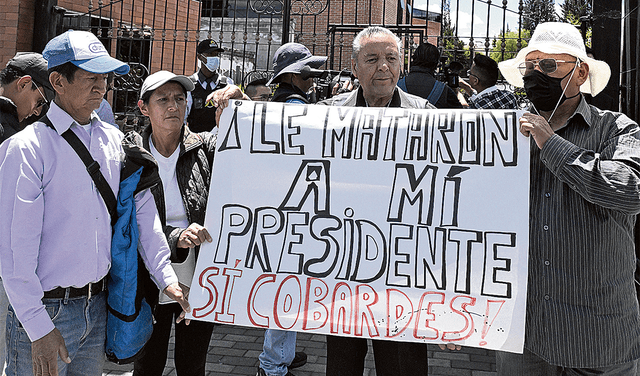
208, 45
34, 65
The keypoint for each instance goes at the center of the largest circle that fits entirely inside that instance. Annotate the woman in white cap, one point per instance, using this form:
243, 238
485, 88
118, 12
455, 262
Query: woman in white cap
184, 160
582, 311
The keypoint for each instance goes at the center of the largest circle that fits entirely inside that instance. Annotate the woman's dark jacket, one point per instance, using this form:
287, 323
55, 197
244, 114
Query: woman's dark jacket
193, 172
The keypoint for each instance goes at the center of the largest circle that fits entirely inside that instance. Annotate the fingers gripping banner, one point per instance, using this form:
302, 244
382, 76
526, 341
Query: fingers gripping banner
386, 223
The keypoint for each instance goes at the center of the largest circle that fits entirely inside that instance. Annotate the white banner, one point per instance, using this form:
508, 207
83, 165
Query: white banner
386, 223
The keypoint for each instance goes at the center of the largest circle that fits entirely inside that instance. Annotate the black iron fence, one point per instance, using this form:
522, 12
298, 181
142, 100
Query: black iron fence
163, 34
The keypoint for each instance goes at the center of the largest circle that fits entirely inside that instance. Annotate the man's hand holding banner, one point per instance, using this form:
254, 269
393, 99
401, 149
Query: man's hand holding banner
388, 223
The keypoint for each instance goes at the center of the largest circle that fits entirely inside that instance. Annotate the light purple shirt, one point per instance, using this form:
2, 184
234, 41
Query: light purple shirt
55, 229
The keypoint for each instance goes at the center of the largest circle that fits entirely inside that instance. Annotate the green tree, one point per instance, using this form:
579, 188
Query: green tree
579, 13
575, 9
536, 12
454, 48
510, 40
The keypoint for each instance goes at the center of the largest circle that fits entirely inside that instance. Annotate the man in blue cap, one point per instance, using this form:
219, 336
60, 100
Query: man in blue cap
24, 90
55, 247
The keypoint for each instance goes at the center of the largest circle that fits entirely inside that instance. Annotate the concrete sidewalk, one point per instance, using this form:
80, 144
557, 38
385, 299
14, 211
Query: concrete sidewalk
234, 351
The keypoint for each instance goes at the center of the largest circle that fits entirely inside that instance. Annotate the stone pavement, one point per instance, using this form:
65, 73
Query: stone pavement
234, 351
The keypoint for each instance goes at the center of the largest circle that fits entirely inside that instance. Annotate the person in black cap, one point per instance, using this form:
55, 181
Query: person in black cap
288, 62
200, 110
24, 89
421, 80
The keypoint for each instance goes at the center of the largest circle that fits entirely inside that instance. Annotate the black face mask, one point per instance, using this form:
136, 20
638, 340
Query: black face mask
544, 91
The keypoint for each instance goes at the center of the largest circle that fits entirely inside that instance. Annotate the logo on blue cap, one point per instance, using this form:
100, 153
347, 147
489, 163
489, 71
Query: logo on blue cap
84, 50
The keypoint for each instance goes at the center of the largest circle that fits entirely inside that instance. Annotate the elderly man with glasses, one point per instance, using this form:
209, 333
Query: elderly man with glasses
582, 311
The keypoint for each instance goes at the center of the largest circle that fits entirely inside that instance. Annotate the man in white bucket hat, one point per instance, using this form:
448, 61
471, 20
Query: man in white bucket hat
582, 311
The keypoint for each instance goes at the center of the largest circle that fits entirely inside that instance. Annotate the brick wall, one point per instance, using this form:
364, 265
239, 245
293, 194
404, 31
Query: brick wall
16, 28
171, 50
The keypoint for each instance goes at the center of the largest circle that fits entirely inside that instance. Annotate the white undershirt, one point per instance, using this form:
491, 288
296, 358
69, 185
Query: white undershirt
175, 211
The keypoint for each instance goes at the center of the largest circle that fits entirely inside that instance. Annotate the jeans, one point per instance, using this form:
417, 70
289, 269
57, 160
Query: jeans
82, 324
191, 344
4, 306
278, 351
345, 357
529, 364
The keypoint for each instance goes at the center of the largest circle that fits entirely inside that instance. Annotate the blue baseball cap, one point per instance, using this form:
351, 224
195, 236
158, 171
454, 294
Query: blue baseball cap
84, 50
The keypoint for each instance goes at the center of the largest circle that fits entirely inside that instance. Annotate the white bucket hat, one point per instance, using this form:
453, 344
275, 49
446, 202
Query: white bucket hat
559, 38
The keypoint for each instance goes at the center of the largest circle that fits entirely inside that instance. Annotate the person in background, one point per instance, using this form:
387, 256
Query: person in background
55, 247
582, 312
483, 76
376, 62
288, 62
421, 80
185, 161
258, 90
278, 350
24, 91
105, 112
201, 110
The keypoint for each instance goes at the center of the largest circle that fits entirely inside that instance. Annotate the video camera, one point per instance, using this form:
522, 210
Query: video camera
449, 72
325, 80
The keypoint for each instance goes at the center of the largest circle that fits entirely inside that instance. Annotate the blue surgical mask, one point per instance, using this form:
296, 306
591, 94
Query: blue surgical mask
213, 63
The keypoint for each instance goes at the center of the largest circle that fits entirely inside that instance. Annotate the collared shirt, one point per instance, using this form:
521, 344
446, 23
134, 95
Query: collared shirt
400, 98
582, 309
55, 229
493, 98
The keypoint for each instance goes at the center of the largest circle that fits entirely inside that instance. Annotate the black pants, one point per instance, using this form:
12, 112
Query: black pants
345, 357
192, 344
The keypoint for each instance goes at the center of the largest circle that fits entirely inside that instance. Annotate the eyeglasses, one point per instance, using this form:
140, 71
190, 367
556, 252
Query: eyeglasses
44, 99
471, 74
547, 66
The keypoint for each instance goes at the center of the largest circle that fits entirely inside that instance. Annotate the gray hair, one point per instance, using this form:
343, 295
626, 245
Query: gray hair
369, 32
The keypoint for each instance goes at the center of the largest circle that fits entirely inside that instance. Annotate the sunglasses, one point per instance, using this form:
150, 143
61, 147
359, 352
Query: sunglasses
547, 66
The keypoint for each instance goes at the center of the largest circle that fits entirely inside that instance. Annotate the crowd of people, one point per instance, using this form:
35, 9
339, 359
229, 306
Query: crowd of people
582, 313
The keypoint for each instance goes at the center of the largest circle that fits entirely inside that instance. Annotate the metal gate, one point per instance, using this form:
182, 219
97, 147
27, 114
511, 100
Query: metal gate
163, 34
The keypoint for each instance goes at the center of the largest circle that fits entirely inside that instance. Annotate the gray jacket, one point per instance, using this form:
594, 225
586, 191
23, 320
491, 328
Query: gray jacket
400, 99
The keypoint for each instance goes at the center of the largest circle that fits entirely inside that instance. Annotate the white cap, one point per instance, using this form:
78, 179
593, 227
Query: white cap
160, 78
